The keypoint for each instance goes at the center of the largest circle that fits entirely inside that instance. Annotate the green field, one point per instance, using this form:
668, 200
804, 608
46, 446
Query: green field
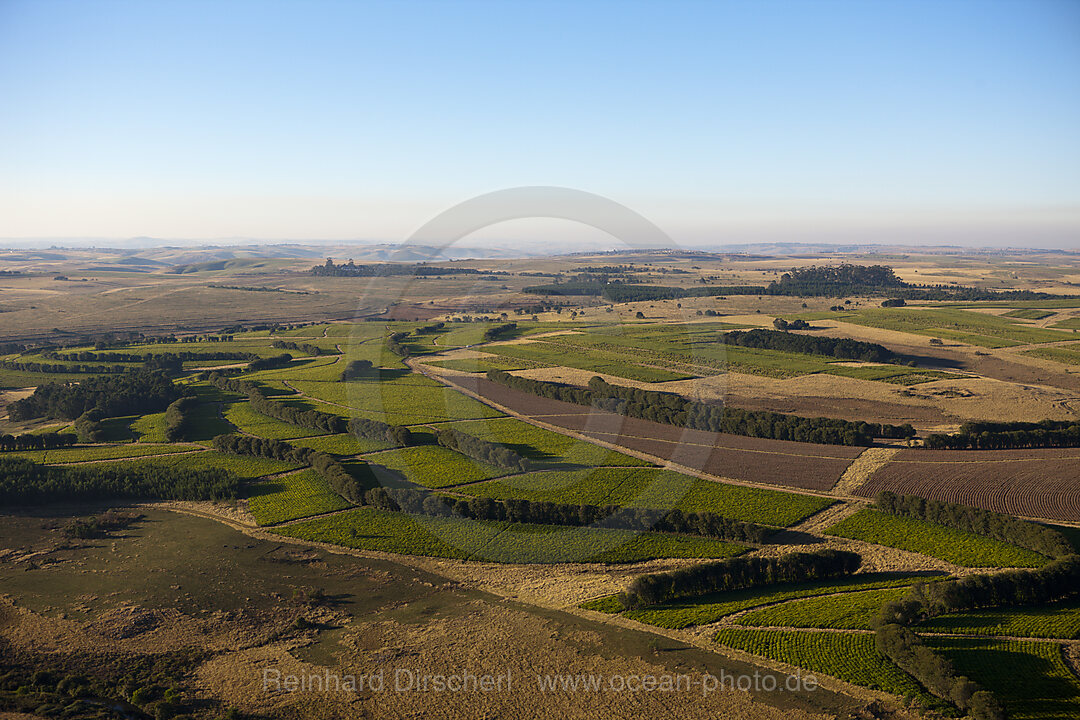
242, 466
90, 453
1029, 314
1072, 323
370, 529
654, 488
435, 466
293, 496
848, 656
1060, 620
1030, 679
544, 447
342, 444
248, 421
482, 364
1069, 355
954, 324
848, 611
710, 608
149, 428
955, 546
593, 360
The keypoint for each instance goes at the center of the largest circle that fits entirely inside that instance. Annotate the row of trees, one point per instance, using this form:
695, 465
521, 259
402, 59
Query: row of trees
56, 368
397, 435
420, 501
179, 420
131, 393
482, 450
337, 476
306, 348
130, 357
935, 673
24, 482
350, 269
1006, 528
41, 441
270, 363
497, 332
1006, 435
674, 409
1056, 581
738, 573
393, 344
840, 348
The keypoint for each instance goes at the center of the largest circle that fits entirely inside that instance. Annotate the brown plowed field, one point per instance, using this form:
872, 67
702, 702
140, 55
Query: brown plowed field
777, 462
1041, 483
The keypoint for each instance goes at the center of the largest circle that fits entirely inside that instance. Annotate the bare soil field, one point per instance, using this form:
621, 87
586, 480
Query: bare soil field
774, 462
1040, 483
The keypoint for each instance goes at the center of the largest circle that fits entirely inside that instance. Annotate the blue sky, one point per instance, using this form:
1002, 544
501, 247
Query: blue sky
878, 121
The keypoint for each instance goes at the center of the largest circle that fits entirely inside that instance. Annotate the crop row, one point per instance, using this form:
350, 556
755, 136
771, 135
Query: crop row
293, 496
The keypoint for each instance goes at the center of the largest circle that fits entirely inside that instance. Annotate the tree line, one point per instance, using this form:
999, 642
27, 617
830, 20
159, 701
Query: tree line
336, 475
1005, 528
482, 450
1008, 435
738, 573
24, 482
1056, 581
132, 393
673, 409
359, 370
840, 348
130, 357
89, 427
421, 501
179, 418
397, 435
500, 331
306, 348
270, 363
40, 441
350, 269
393, 344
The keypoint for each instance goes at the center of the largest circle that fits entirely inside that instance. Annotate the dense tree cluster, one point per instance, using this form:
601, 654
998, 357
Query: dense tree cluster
1006, 528
89, 427
782, 324
359, 370
24, 482
270, 363
482, 450
306, 348
179, 420
674, 409
39, 441
132, 393
350, 269
421, 501
312, 419
738, 573
893, 302
619, 292
498, 332
840, 348
1006, 435
337, 476
836, 281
